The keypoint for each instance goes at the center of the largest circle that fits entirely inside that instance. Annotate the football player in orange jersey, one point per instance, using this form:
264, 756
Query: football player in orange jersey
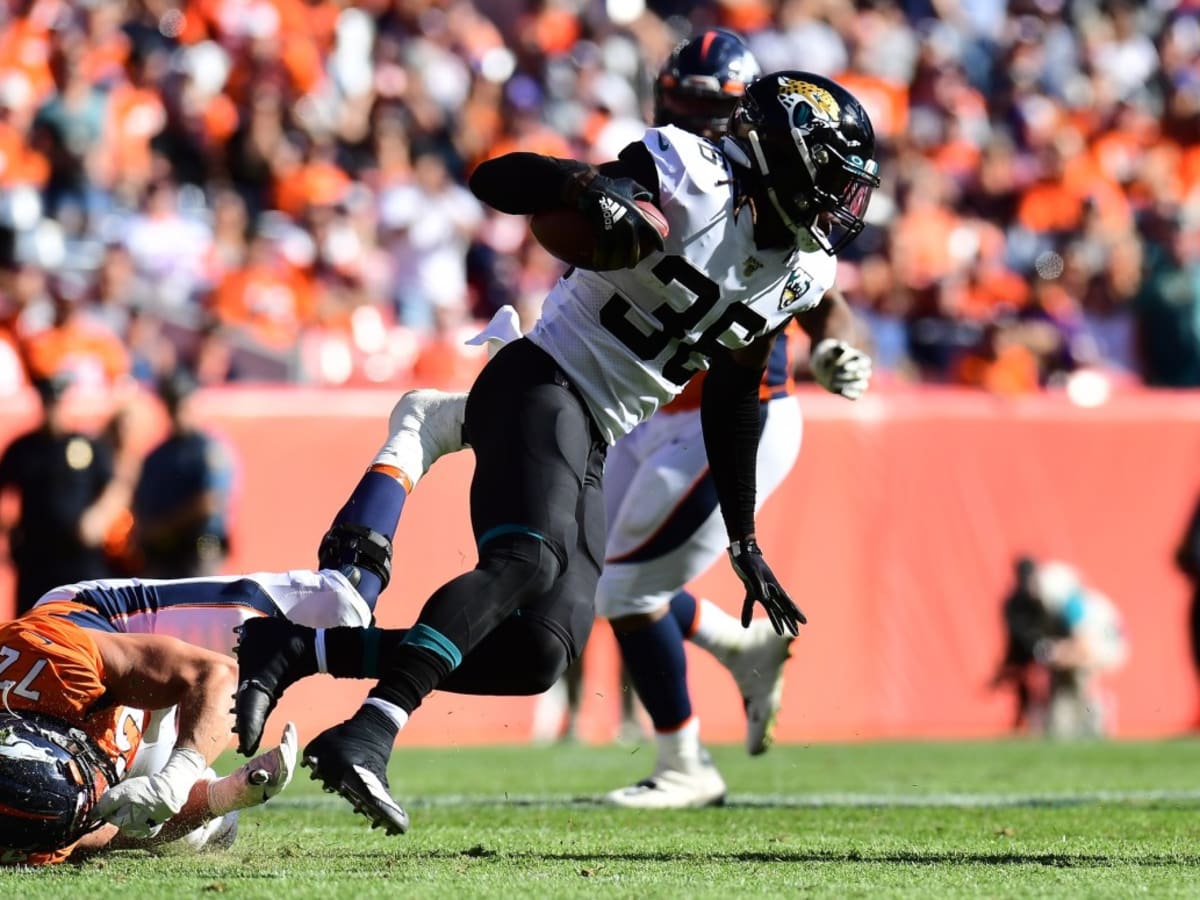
103, 730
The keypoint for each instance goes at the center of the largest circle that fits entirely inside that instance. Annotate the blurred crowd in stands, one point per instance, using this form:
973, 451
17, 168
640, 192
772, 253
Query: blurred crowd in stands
273, 190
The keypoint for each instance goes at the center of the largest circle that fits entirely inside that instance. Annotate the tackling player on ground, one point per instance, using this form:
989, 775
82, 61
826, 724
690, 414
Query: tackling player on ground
99, 726
116, 697
755, 224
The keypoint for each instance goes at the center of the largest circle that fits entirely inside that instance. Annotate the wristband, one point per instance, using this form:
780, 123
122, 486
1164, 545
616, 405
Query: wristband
744, 545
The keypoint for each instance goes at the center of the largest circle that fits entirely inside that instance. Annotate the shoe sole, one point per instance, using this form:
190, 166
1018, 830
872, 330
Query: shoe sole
363, 803
609, 800
763, 744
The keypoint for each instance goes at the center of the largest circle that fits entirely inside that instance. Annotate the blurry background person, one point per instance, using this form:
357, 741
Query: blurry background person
181, 505
1187, 557
61, 478
1061, 635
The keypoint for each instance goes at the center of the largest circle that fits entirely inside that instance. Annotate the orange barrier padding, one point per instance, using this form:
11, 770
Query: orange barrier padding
895, 533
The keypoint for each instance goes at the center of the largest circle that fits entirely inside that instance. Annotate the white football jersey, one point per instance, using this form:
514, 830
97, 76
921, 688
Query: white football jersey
630, 339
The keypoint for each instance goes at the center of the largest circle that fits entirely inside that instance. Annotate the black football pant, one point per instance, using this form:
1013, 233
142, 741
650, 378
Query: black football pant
515, 622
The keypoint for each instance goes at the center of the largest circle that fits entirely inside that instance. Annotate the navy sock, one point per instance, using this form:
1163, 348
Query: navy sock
683, 611
375, 503
657, 667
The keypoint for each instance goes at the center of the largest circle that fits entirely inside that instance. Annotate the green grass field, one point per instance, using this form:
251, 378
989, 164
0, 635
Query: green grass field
1015, 819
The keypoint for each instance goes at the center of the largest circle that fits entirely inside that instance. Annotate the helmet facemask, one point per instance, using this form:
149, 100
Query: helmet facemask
705, 114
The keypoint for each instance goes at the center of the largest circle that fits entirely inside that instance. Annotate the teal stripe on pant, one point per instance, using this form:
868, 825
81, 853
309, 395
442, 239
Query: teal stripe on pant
435, 642
501, 530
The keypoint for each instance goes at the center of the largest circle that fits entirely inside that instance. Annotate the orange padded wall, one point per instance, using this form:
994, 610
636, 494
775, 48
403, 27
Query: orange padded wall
895, 534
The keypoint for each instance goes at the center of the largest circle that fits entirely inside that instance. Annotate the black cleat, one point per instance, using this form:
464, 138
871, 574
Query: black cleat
347, 759
273, 653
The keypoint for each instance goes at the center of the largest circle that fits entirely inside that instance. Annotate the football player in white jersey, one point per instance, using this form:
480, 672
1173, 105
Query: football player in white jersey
664, 529
755, 224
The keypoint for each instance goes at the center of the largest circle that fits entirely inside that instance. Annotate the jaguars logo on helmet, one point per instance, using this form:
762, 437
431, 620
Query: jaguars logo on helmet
803, 100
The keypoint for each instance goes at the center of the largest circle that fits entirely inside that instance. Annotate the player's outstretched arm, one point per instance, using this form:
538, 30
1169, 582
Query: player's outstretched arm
607, 198
836, 363
156, 672
729, 412
522, 184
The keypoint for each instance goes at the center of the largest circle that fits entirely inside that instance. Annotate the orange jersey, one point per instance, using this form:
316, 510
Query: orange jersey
50, 665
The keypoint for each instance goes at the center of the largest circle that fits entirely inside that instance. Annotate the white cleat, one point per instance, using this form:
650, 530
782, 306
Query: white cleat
215, 834
757, 667
697, 786
424, 426
268, 773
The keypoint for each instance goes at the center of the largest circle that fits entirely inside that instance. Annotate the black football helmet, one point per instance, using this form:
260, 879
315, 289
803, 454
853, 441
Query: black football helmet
701, 82
51, 775
807, 144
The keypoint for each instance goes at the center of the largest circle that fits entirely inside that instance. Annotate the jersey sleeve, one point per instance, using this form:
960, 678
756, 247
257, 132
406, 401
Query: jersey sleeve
656, 150
53, 664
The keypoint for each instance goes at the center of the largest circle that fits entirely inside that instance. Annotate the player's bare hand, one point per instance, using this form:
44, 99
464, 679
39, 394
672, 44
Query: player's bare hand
764, 588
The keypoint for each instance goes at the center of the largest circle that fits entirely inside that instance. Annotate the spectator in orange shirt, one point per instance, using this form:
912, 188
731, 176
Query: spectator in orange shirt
135, 115
20, 163
76, 346
107, 44
445, 360
317, 181
266, 298
1000, 363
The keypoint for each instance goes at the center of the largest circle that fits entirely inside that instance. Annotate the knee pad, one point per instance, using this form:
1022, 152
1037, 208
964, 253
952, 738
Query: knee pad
346, 545
525, 563
545, 658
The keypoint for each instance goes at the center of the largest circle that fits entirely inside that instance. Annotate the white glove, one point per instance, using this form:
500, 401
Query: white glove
140, 806
840, 368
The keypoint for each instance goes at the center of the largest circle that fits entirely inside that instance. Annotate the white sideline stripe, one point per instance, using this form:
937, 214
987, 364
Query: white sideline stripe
792, 801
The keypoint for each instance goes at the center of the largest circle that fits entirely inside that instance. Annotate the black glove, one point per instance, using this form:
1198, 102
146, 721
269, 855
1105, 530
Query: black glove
624, 236
762, 586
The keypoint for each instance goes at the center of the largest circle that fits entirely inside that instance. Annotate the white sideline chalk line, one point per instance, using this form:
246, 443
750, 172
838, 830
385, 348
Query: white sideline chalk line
781, 801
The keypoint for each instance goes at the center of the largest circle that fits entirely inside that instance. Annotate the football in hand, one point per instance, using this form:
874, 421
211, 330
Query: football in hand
567, 234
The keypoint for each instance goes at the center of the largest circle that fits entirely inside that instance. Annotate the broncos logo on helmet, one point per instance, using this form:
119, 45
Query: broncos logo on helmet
700, 83
50, 779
